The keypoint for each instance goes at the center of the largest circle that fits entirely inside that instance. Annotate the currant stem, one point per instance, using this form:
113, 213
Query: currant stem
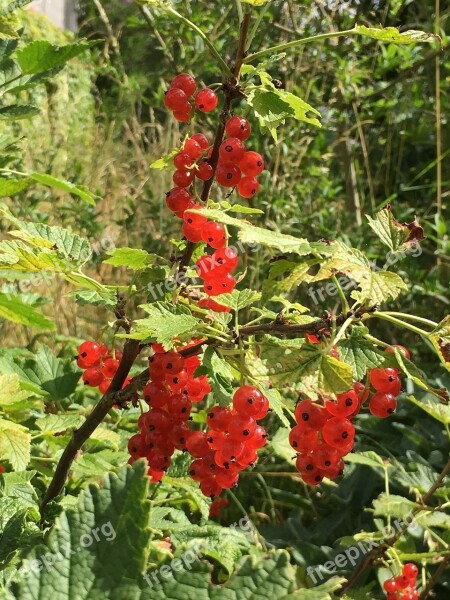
398, 322
412, 318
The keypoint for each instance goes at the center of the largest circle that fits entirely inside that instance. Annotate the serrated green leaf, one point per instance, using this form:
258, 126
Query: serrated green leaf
275, 402
439, 411
10, 391
58, 423
15, 444
239, 299
11, 527
392, 233
8, 27
111, 564
13, 309
106, 297
220, 376
164, 323
132, 258
369, 458
78, 190
9, 187
245, 210
281, 446
363, 355
16, 112
165, 162
40, 56
305, 367
57, 377
192, 489
249, 234
391, 34
292, 275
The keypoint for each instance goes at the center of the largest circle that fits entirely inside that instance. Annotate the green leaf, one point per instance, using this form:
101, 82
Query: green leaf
292, 275
239, 299
9, 187
369, 458
249, 234
164, 323
15, 444
132, 258
391, 34
13, 309
98, 547
440, 338
11, 527
363, 355
106, 297
305, 367
18, 111
281, 446
165, 162
58, 377
220, 376
395, 235
40, 56
10, 391
439, 411
245, 210
275, 402
416, 375
78, 190
192, 489
8, 27
59, 423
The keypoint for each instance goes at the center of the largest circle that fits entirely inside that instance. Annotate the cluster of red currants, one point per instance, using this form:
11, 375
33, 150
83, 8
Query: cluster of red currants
323, 435
182, 88
100, 364
231, 443
170, 393
403, 587
215, 270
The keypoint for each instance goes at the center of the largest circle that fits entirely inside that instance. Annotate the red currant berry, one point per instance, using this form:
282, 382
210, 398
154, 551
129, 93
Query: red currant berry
203, 266
223, 283
228, 174
304, 463
89, 352
178, 200
338, 432
252, 164
183, 179
178, 380
201, 139
206, 100
204, 171
210, 488
193, 219
410, 570
258, 439
192, 148
93, 376
185, 82
179, 407
197, 444
362, 391
405, 351
303, 441
182, 161
104, 386
214, 235
345, 404
172, 362
312, 477
227, 478
225, 259
175, 99
382, 405
325, 456
248, 401
155, 394
231, 150
390, 586
248, 187
110, 366
136, 445
192, 234
241, 428
383, 380
184, 114
309, 415
219, 418
238, 127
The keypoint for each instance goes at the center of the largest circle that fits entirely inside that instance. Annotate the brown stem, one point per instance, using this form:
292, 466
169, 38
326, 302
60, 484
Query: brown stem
231, 91
433, 580
381, 549
79, 436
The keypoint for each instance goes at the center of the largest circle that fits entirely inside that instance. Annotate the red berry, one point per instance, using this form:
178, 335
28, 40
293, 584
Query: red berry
197, 444
192, 148
201, 139
249, 401
193, 219
104, 386
231, 150
227, 478
325, 456
172, 362
228, 174
210, 488
383, 380
183, 179
219, 418
89, 352
182, 161
382, 405
338, 432
213, 305
136, 445
304, 463
410, 570
184, 114
155, 394
345, 404
214, 235
206, 100
248, 187
175, 99
303, 441
362, 391
252, 163
390, 586
204, 171
192, 234
258, 439
241, 428
312, 477
204, 265
185, 82
222, 284
405, 351
225, 259
178, 200
93, 376
110, 366
179, 407
238, 127
309, 415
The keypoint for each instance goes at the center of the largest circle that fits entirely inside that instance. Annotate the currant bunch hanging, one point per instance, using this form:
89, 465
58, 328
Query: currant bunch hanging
100, 364
403, 587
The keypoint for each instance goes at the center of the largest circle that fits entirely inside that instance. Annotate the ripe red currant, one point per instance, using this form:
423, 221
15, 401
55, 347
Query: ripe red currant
214, 235
225, 259
183, 115
231, 150
403, 349
175, 99
183, 179
89, 352
249, 401
238, 127
178, 200
193, 219
192, 148
204, 171
248, 187
384, 380
228, 174
338, 432
192, 234
252, 164
220, 283
182, 161
382, 405
345, 404
185, 82
93, 376
309, 415
206, 100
